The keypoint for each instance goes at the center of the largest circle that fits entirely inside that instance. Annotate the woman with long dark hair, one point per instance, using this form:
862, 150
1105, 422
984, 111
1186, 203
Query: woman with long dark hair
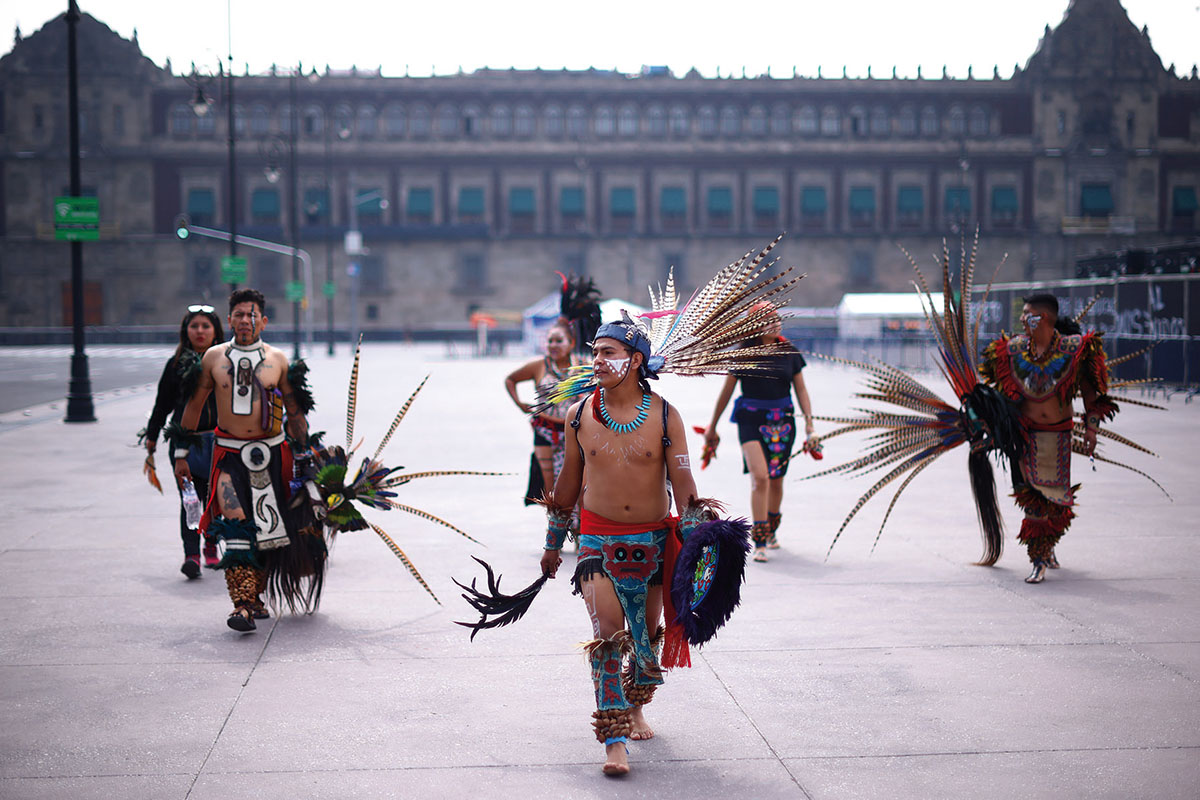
766, 428
199, 330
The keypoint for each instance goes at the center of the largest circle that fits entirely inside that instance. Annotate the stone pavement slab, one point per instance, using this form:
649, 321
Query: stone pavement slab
902, 671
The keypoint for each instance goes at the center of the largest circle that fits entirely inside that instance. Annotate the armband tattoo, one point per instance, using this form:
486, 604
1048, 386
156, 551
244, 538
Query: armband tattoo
557, 521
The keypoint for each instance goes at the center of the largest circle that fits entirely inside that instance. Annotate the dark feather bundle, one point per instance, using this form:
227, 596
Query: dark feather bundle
707, 586
503, 608
187, 369
298, 378
580, 304
174, 433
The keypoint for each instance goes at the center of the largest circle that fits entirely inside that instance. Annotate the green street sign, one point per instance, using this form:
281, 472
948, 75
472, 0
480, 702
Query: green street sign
329, 289
295, 291
77, 219
233, 269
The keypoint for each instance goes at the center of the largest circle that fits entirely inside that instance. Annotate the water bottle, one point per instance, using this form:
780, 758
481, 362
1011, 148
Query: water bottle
191, 504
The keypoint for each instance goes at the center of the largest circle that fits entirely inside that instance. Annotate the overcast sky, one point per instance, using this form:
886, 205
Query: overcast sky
444, 35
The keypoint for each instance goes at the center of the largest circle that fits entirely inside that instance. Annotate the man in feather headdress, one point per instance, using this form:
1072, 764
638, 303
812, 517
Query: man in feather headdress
632, 442
267, 541
1043, 370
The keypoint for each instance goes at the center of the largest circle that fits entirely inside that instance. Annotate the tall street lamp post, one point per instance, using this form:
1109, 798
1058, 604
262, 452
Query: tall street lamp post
79, 391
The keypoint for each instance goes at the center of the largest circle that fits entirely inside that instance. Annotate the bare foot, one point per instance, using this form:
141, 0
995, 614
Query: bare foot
616, 759
641, 729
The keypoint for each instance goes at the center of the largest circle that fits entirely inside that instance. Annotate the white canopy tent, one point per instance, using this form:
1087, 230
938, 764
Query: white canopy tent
537, 318
864, 316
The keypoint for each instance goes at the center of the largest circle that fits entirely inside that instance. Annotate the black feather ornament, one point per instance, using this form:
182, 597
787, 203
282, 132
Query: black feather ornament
504, 609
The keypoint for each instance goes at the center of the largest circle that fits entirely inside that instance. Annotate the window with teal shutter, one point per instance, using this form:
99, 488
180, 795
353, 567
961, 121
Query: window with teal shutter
420, 203
766, 200
1183, 201
673, 201
1095, 200
813, 201
520, 201
570, 201
369, 205
862, 200
622, 202
958, 200
910, 201
470, 201
264, 206
720, 201
1004, 200
201, 205
316, 206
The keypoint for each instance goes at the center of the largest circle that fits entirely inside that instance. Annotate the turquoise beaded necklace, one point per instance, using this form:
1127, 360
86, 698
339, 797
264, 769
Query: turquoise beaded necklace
625, 427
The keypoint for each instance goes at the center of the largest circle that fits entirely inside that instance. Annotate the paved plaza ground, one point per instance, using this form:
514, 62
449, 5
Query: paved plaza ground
902, 673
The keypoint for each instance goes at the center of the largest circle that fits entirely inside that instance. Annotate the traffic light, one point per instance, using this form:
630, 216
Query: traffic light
183, 226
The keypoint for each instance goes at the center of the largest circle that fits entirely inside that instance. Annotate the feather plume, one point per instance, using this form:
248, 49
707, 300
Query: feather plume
352, 396
151, 473
504, 609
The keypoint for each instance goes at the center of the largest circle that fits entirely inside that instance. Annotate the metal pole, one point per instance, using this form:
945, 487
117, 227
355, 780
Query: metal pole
354, 267
329, 300
79, 390
232, 157
292, 213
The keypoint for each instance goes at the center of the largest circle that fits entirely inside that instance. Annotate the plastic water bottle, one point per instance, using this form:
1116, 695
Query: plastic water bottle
191, 504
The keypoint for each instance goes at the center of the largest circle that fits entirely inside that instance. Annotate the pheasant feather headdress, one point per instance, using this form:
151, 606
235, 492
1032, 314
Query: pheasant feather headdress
705, 337
337, 495
920, 427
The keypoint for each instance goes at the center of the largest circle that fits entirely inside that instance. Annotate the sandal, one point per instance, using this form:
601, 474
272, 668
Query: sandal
241, 621
259, 611
760, 554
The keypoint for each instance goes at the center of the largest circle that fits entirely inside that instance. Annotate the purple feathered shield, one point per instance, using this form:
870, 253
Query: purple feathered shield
707, 586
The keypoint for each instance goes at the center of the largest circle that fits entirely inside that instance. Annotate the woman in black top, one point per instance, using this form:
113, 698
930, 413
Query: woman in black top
766, 430
200, 329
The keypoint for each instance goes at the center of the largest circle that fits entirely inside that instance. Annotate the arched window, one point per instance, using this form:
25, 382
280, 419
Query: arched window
880, 124
555, 127
577, 126
831, 121
393, 122
756, 121
368, 122
979, 124
501, 121
781, 121
707, 117
627, 121
343, 121
806, 122
605, 123
957, 119
313, 122
207, 124
181, 119
447, 121
523, 124
731, 121
858, 121
419, 121
681, 123
656, 121
929, 121
260, 120
472, 120
285, 119
906, 121
239, 120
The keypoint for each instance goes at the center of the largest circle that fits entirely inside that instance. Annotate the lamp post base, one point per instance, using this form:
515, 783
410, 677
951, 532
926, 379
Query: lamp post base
79, 392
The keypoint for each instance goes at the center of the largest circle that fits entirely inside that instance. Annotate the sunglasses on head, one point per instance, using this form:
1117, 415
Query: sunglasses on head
200, 308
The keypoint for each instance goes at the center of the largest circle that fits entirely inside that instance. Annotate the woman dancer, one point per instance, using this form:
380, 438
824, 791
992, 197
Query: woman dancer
548, 426
200, 329
766, 429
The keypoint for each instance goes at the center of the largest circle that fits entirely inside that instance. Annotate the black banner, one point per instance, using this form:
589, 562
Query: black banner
1131, 311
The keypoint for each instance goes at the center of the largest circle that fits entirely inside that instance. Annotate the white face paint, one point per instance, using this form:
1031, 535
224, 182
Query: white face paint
618, 366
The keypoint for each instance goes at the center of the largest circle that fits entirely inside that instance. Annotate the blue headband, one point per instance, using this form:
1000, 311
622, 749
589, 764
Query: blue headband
630, 335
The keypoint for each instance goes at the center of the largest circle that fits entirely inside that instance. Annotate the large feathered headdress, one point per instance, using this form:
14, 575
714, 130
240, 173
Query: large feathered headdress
707, 336
579, 304
920, 427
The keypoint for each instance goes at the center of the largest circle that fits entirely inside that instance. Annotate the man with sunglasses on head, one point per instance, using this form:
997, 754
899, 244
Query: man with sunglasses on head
249, 509
1043, 370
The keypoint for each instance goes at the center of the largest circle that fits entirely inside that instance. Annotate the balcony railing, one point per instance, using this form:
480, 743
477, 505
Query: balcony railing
1082, 226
